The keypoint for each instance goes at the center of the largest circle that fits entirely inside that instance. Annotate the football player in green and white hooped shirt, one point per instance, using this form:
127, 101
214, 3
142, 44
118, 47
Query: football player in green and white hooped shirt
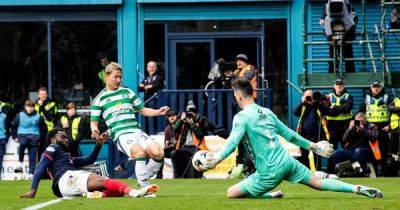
259, 128
118, 105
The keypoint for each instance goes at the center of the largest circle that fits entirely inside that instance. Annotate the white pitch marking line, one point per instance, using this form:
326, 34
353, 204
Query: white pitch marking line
48, 203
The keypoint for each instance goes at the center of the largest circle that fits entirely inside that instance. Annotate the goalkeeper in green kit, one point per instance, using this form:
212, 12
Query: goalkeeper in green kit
259, 128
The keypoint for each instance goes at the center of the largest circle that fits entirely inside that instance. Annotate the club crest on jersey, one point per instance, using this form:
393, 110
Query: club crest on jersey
50, 149
118, 106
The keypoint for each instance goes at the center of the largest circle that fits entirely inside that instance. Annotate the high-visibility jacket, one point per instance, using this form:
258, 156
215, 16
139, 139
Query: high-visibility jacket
322, 120
337, 101
49, 123
102, 75
253, 80
5, 107
377, 109
74, 127
394, 118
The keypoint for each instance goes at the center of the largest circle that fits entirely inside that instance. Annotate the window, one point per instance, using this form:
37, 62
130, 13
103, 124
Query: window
75, 63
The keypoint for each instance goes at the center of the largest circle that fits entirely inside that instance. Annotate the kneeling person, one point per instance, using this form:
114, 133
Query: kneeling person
261, 128
71, 182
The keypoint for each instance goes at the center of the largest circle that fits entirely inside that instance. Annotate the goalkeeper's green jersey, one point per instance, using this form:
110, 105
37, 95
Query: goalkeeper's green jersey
258, 128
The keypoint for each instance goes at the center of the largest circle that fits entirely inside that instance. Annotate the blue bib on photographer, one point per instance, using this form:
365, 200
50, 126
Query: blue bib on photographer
377, 110
28, 124
338, 101
2, 125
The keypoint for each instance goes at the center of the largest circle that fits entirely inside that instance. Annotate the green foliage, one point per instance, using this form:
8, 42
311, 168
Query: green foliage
211, 194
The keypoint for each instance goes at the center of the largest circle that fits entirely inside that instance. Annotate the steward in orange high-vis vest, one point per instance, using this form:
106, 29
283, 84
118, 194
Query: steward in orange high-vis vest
244, 69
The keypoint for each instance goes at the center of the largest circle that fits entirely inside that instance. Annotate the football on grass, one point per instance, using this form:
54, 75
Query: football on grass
199, 159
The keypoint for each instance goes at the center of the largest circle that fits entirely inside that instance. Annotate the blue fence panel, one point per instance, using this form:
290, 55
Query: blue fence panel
217, 105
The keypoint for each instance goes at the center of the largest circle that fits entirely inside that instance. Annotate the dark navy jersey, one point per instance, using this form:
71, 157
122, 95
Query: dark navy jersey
61, 161
58, 161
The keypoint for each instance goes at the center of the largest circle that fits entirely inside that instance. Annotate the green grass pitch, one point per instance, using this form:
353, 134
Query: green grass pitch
210, 194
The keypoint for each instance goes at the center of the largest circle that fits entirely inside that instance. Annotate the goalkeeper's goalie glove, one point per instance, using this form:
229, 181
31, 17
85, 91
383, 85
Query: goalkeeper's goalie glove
211, 161
322, 148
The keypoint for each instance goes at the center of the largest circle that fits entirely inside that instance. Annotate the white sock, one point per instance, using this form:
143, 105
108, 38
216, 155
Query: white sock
21, 164
141, 172
153, 166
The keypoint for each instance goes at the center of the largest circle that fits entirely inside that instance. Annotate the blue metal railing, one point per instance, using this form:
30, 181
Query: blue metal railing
218, 105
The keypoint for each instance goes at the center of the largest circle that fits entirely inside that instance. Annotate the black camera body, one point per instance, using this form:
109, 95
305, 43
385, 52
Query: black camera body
231, 65
357, 123
192, 115
318, 96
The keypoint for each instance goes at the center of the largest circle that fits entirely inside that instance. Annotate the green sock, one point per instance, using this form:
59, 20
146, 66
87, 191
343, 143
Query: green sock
336, 185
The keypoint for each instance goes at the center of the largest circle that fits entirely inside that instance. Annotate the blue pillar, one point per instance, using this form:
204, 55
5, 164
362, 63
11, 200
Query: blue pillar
127, 42
296, 55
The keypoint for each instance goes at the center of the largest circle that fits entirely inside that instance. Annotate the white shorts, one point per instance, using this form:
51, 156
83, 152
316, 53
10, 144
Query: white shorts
73, 183
125, 141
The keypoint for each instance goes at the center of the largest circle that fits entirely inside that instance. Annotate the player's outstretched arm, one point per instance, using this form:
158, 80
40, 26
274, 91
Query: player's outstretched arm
94, 127
92, 157
41, 169
236, 135
322, 148
149, 112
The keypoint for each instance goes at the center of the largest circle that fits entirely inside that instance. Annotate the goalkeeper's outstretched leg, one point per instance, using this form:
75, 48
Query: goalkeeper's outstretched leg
339, 186
235, 191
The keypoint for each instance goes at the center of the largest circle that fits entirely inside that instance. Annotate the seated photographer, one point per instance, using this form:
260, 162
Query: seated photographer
190, 129
311, 123
356, 142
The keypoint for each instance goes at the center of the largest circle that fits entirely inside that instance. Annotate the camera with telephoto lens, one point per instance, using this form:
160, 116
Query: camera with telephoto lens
336, 9
192, 115
357, 123
231, 65
318, 96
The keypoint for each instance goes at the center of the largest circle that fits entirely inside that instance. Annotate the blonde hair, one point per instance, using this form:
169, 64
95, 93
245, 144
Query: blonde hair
111, 67
70, 106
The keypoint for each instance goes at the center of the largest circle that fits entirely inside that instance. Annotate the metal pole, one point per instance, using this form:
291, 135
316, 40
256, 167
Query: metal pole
49, 79
263, 56
370, 53
363, 31
334, 59
295, 87
341, 60
305, 55
347, 42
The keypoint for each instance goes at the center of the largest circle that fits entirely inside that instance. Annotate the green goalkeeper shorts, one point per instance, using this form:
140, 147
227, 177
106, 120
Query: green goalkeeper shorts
258, 184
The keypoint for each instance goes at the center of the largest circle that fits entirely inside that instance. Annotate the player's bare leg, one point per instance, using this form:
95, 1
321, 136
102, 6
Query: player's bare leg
155, 153
339, 186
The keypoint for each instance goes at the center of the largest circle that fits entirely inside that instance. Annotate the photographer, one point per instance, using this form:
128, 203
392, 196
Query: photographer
356, 142
190, 129
311, 123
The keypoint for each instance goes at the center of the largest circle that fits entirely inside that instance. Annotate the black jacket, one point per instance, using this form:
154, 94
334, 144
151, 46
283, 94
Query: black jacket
354, 138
